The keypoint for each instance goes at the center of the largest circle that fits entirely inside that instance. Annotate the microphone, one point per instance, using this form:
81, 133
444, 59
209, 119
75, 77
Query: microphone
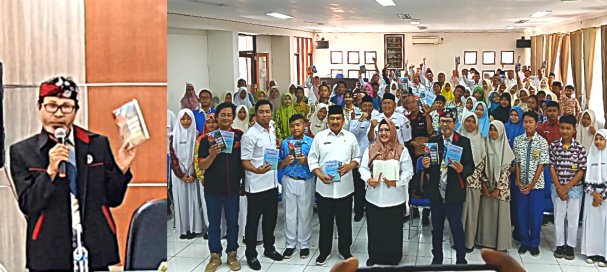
60, 135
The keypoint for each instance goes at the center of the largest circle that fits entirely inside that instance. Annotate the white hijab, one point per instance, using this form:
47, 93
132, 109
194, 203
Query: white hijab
170, 125
477, 142
466, 111
317, 125
583, 136
236, 100
243, 125
184, 140
595, 165
499, 153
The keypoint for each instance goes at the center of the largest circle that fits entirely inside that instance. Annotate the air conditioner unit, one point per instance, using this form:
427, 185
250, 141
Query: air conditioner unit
425, 40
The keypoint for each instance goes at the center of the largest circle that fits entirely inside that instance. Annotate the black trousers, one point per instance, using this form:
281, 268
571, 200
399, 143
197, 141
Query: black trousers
385, 232
359, 193
258, 204
335, 210
90, 269
453, 213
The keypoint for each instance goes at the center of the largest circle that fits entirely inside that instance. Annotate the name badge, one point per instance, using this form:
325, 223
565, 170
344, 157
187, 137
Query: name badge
574, 167
535, 154
326, 143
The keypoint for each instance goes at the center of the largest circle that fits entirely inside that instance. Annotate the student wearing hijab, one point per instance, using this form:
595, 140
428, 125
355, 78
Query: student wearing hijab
275, 97
586, 128
521, 99
447, 92
241, 121
470, 212
494, 220
479, 93
457, 101
260, 95
368, 89
240, 98
282, 115
185, 190
494, 101
502, 113
190, 99
227, 98
386, 195
318, 120
468, 107
514, 126
480, 109
594, 227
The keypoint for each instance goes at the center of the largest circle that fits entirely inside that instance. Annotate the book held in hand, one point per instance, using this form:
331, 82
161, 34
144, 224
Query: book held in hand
431, 151
131, 124
430, 97
386, 169
454, 154
332, 170
270, 157
295, 148
228, 138
216, 138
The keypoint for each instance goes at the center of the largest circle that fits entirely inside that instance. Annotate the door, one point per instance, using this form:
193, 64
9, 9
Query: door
263, 70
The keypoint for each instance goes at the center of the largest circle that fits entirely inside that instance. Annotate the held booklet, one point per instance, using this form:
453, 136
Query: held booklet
295, 148
430, 97
431, 151
131, 124
228, 138
332, 170
216, 138
270, 157
386, 169
454, 154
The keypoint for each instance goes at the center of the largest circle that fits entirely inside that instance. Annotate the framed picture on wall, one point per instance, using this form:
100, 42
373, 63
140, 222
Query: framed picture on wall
337, 57
489, 72
489, 57
394, 50
369, 55
352, 73
507, 57
353, 57
335, 72
469, 57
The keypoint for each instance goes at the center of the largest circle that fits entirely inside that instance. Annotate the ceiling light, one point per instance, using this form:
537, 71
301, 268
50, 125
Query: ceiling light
509, 27
415, 22
405, 16
279, 15
541, 13
386, 3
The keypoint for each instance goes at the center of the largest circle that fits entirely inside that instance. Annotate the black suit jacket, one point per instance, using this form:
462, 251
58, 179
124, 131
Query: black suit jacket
46, 203
456, 183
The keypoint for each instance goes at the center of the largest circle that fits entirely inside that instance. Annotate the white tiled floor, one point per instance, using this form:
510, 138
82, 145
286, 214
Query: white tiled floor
192, 255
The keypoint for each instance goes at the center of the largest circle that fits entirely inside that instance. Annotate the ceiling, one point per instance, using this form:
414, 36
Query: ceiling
369, 16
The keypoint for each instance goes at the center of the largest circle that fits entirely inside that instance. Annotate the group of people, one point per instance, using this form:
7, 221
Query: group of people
368, 150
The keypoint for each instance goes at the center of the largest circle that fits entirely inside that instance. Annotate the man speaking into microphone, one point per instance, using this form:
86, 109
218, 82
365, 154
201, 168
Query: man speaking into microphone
67, 179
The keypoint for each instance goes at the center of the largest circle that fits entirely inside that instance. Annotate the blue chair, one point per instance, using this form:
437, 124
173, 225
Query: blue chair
416, 203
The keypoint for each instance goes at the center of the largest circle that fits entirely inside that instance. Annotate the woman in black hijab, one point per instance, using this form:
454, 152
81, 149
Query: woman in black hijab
502, 113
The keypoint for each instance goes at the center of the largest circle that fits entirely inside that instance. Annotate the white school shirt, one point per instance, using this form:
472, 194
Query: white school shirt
416, 89
327, 146
403, 126
252, 148
360, 129
382, 195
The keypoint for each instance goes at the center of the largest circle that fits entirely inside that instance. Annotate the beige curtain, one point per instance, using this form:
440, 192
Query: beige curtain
38, 40
554, 49
589, 36
539, 51
576, 62
604, 65
534, 45
547, 52
564, 58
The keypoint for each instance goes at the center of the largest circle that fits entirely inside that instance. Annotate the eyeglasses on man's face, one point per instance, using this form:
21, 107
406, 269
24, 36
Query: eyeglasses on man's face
53, 108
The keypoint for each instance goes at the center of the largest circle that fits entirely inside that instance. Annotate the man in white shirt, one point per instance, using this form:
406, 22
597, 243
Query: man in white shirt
334, 197
359, 128
510, 80
261, 185
417, 87
403, 125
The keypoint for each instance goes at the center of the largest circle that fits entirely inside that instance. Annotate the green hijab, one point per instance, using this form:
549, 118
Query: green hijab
479, 89
256, 96
285, 112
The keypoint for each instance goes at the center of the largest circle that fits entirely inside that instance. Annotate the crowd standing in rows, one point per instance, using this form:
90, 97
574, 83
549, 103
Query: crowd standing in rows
365, 150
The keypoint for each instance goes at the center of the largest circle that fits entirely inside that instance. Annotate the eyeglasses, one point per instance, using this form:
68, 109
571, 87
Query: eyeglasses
446, 122
53, 108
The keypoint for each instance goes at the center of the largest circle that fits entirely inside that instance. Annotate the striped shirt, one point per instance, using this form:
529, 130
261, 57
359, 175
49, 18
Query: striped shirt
566, 163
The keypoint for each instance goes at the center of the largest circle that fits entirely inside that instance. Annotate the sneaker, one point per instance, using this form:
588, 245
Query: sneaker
534, 252
358, 217
436, 261
590, 259
233, 261
569, 254
288, 253
214, 263
304, 253
601, 262
469, 250
274, 255
345, 256
370, 263
321, 260
205, 236
559, 253
522, 250
254, 264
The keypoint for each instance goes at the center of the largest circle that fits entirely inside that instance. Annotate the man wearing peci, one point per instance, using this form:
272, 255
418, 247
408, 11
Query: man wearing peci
60, 209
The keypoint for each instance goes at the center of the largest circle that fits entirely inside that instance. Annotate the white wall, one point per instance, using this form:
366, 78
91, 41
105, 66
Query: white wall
568, 27
186, 62
438, 57
222, 61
